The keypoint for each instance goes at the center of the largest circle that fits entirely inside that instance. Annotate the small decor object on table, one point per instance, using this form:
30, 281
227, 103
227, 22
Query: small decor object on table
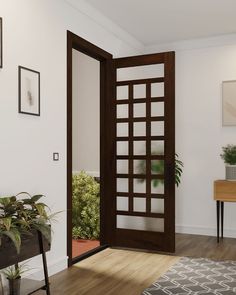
0, 42
29, 91
13, 275
229, 157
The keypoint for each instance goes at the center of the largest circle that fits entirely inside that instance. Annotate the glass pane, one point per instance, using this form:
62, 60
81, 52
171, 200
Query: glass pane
140, 223
157, 128
139, 129
157, 167
157, 206
139, 166
139, 186
139, 110
122, 111
157, 186
122, 166
122, 185
157, 89
122, 148
122, 204
139, 148
139, 204
122, 92
122, 129
140, 91
157, 147
140, 72
157, 109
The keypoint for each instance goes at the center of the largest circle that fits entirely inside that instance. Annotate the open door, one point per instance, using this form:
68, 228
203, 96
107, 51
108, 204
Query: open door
142, 168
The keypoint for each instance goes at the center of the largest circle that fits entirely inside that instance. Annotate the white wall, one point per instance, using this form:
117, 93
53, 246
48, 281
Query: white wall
35, 37
86, 113
199, 132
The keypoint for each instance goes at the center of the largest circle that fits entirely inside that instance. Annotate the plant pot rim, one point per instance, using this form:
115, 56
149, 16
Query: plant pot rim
230, 165
14, 279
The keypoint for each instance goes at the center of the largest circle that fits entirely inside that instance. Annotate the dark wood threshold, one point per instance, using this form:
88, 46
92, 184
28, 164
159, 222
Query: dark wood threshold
89, 253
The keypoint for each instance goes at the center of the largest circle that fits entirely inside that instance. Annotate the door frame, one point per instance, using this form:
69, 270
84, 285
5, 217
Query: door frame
105, 58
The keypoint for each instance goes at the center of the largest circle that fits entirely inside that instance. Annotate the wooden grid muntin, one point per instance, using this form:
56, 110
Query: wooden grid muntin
148, 176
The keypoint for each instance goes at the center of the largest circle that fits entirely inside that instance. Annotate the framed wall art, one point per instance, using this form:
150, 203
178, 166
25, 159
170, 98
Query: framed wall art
1, 42
29, 91
229, 103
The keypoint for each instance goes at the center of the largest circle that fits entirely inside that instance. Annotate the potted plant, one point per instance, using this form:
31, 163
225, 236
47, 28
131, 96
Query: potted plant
229, 157
157, 167
23, 217
13, 275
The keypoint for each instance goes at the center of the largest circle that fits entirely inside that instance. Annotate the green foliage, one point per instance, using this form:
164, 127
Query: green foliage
229, 154
178, 170
157, 167
13, 273
20, 216
85, 207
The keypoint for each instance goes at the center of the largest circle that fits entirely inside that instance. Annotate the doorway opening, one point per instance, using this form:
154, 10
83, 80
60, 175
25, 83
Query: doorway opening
86, 107
137, 95
85, 153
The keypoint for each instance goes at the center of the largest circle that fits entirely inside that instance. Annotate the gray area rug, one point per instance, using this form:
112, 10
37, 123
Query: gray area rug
197, 276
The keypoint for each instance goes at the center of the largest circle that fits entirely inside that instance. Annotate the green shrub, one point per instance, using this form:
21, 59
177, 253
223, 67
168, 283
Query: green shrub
85, 207
229, 154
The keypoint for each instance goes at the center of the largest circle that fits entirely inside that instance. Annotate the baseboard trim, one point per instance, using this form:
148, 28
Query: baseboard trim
206, 231
53, 268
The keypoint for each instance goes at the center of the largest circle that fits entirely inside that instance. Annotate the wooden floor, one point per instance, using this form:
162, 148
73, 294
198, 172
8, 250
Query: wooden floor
123, 272
112, 272
206, 247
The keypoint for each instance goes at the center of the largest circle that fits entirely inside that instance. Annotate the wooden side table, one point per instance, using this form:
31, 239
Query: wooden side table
224, 191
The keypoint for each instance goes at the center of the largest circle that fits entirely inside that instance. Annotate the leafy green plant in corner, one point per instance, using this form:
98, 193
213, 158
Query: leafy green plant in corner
19, 217
157, 167
13, 273
229, 154
85, 207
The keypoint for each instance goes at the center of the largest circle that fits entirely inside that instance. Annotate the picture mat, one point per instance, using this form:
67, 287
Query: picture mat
29, 83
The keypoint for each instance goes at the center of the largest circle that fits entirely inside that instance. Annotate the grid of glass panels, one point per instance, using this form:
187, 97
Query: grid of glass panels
140, 146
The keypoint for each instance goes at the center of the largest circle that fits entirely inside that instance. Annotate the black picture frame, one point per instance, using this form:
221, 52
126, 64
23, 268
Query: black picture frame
22, 100
1, 47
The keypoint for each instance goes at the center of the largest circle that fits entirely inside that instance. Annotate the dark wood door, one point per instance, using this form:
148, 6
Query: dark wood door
142, 208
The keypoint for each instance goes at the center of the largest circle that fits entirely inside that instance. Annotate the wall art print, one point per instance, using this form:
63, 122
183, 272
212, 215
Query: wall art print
29, 91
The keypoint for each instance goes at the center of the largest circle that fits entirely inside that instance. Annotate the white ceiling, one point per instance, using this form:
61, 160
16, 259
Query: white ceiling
163, 21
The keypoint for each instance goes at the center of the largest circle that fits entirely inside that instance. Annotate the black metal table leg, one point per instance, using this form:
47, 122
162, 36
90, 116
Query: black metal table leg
218, 220
222, 219
45, 268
